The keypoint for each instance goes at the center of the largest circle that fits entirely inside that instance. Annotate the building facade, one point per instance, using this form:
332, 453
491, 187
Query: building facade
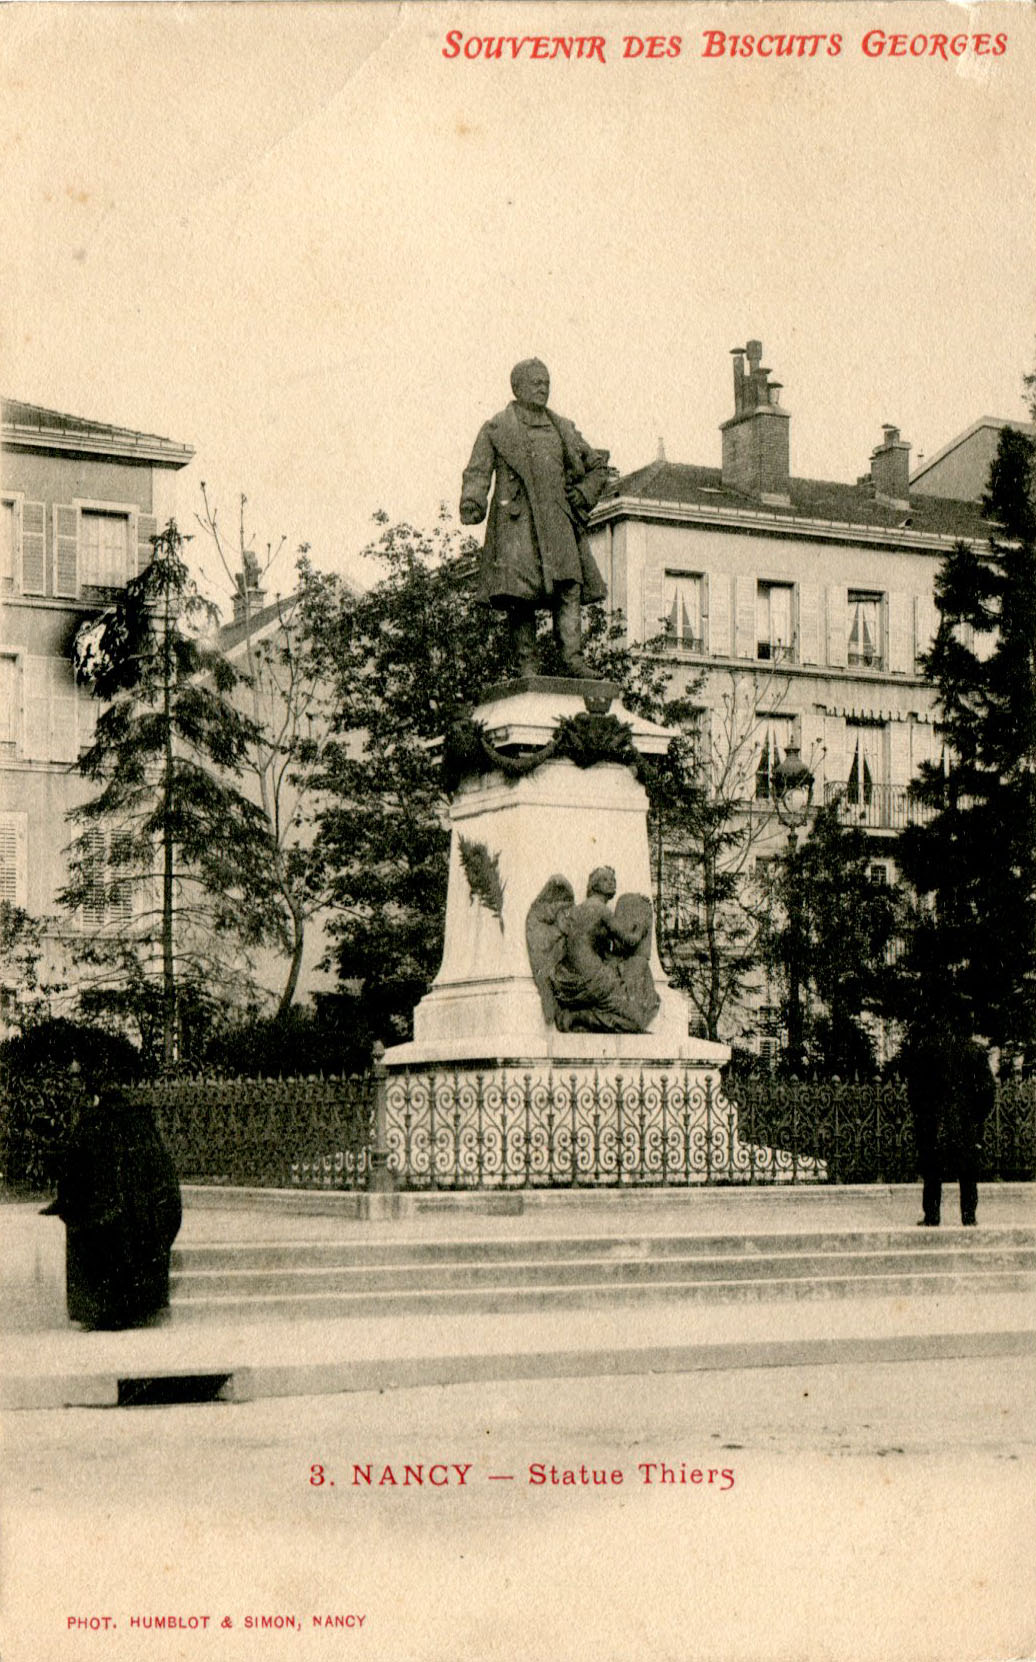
800, 609
80, 503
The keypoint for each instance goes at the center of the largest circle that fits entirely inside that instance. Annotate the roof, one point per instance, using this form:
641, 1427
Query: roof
232, 634
684, 486
33, 426
996, 423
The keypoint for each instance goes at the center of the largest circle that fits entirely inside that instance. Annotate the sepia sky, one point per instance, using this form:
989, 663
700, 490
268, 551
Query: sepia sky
302, 240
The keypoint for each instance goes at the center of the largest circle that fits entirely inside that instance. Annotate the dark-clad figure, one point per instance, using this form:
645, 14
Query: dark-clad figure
536, 553
950, 1090
120, 1203
595, 990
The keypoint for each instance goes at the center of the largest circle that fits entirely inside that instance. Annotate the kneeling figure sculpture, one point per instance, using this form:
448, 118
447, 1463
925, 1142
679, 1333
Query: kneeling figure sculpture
591, 964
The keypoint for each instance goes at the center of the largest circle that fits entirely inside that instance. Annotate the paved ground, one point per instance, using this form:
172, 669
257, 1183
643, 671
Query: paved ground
857, 1514
46, 1362
874, 1511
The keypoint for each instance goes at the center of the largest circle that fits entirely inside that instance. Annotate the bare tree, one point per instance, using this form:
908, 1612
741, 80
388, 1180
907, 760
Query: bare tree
287, 710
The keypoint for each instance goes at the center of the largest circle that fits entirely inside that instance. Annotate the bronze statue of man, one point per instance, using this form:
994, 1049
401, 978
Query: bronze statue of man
536, 553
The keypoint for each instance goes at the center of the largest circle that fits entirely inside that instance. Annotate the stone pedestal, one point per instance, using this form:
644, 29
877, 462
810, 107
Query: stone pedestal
489, 1093
557, 820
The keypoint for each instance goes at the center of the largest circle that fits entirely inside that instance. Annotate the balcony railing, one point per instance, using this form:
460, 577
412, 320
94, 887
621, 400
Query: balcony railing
878, 807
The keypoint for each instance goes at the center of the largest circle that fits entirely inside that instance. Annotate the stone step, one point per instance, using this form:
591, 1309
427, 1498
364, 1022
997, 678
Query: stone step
521, 1246
248, 1279
507, 1298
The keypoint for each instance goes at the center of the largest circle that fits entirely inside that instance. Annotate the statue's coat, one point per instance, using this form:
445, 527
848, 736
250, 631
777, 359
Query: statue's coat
533, 542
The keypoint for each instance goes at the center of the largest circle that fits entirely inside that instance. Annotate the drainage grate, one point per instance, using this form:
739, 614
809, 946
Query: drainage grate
169, 1388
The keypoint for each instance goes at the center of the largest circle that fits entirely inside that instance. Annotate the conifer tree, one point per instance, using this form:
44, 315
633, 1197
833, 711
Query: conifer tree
972, 866
170, 854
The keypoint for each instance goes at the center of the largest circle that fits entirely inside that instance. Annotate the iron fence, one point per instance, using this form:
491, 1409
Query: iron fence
576, 1128
862, 1130
522, 1129
277, 1133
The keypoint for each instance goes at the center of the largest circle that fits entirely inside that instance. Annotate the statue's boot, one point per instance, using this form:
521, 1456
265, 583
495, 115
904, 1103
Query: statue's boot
521, 639
568, 628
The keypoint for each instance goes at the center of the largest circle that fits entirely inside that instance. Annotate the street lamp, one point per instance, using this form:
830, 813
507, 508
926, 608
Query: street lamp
793, 796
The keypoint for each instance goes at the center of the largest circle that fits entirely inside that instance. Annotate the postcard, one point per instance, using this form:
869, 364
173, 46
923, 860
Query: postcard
289, 254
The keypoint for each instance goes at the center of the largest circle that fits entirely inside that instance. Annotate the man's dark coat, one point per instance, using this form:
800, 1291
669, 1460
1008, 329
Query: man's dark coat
534, 544
119, 1199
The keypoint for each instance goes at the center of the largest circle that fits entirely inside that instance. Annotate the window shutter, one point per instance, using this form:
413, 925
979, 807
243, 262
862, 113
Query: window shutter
34, 548
147, 528
901, 641
654, 600
811, 739
744, 617
64, 741
837, 624
703, 738
66, 551
926, 623
836, 760
37, 710
92, 852
14, 864
87, 710
925, 745
719, 615
809, 623
899, 753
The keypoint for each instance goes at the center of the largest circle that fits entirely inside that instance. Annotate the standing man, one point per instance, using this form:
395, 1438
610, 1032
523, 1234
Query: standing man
950, 1090
536, 554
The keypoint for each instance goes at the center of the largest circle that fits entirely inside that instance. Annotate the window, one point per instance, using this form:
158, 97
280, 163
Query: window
104, 544
684, 611
107, 900
778, 732
878, 873
773, 621
10, 705
867, 768
13, 861
8, 544
866, 643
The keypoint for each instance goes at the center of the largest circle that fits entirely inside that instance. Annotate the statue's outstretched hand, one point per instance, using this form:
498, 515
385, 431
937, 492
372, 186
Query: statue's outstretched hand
471, 513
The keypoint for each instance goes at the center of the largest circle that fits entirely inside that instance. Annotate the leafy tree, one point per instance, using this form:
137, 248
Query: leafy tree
168, 748
709, 907
972, 866
25, 992
829, 942
45, 1071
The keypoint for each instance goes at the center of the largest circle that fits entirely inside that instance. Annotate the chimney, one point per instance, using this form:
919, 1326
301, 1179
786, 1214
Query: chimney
249, 598
890, 469
755, 439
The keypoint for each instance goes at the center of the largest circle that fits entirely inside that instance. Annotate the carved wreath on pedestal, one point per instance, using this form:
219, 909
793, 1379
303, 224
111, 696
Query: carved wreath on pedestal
584, 739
